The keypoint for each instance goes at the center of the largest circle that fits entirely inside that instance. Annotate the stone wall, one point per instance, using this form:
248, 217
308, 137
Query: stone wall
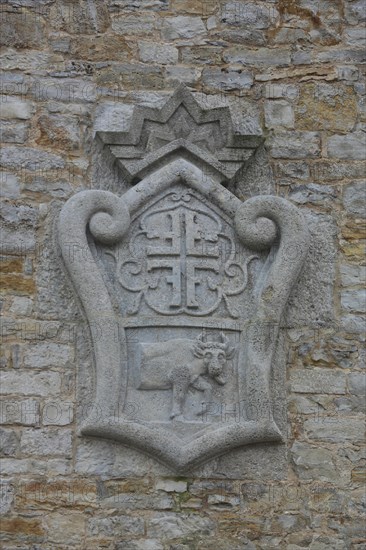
294, 71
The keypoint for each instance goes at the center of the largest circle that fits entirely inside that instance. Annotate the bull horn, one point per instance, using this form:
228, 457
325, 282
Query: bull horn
224, 339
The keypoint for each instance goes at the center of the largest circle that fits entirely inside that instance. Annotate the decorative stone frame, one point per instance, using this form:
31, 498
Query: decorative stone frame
262, 223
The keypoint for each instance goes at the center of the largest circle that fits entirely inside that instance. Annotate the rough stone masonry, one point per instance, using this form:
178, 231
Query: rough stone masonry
292, 75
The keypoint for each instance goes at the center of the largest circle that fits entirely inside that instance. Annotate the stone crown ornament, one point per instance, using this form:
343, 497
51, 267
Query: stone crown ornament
181, 127
188, 285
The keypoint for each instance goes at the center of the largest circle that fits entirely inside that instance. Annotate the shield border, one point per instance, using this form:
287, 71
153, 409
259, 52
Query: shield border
262, 222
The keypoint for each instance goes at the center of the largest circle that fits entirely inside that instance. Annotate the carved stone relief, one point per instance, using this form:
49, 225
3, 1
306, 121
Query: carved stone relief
188, 285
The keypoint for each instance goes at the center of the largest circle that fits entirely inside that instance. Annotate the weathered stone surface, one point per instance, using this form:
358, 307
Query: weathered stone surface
296, 170
65, 528
355, 37
295, 145
336, 430
326, 107
13, 107
57, 413
131, 75
354, 198
170, 486
142, 544
9, 185
318, 381
150, 52
177, 74
165, 526
331, 170
25, 528
59, 132
352, 274
357, 383
120, 525
313, 463
313, 193
355, 12
64, 89
25, 383
249, 14
28, 158
143, 24
6, 496
80, 17
13, 132
50, 441
263, 57
350, 146
21, 28
218, 79
354, 300
202, 55
28, 60
94, 48
182, 27
20, 411
279, 113
9, 442
46, 355
38, 466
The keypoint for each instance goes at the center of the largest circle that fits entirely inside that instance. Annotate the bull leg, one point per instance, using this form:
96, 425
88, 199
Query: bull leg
202, 385
180, 380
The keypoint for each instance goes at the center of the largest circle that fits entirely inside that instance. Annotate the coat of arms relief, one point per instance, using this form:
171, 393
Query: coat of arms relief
188, 284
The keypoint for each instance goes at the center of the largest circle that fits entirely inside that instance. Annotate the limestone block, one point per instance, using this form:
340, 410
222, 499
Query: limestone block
20, 411
279, 113
249, 14
262, 57
22, 29
9, 442
13, 132
46, 355
29, 158
354, 198
318, 380
163, 526
130, 24
336, 430
13, 107
354, 300
9, 185
227, 80
26, 383
120, 525
295, 145
182, 27
46, 441
150, 52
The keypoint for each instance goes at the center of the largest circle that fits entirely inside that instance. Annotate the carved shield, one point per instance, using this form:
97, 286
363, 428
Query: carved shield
187, 285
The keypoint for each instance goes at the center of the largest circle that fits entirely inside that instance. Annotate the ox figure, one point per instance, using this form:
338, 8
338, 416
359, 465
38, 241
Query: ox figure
181, 364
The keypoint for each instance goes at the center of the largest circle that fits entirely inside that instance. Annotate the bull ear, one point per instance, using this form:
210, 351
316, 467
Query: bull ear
224, 339
230, 352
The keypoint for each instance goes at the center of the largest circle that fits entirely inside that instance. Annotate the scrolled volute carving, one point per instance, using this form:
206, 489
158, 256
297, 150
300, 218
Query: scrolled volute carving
108, 219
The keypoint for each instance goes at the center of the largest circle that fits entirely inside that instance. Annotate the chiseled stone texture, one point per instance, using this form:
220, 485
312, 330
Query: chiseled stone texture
290, 72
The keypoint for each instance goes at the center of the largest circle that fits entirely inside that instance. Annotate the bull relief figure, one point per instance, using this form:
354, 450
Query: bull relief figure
181, 364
